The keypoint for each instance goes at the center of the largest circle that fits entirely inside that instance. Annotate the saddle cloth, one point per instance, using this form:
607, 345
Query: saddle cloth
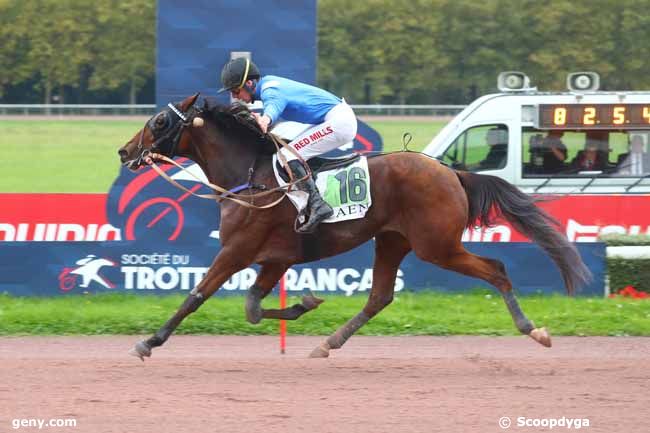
344, 183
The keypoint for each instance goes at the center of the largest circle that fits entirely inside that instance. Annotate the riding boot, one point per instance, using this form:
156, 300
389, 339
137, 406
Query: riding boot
317, 208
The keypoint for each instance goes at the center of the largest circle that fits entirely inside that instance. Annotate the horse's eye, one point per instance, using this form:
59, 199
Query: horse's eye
160, 120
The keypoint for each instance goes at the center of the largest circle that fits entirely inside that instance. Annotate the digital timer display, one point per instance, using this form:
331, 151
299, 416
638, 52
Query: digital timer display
593, 116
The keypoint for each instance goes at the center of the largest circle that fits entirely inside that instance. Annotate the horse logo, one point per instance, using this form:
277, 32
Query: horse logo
88, 270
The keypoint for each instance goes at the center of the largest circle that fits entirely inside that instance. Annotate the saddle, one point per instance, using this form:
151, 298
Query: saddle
318, 164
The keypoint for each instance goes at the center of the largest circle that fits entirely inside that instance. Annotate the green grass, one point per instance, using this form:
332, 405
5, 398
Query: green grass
61, 155
392, 131
477, 313
79, 156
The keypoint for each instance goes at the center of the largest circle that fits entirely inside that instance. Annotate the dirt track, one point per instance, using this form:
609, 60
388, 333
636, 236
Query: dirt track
374, 384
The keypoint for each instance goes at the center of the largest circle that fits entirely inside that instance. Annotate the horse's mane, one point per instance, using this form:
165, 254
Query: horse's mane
236, 121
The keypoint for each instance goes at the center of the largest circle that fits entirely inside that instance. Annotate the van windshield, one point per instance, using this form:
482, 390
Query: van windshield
479, 148
580, 153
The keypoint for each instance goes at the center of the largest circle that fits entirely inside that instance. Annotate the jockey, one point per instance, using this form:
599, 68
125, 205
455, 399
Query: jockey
334, 122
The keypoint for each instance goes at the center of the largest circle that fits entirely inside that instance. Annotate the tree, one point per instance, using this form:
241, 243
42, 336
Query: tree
58, 35
347, 61
380, 45
573, 36
124, 45
428, 51
13, 47
630, 52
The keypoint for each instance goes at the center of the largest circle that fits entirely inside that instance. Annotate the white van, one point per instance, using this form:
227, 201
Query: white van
582, 141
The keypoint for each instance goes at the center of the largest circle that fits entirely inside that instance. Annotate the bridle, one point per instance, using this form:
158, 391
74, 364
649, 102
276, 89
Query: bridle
167, 134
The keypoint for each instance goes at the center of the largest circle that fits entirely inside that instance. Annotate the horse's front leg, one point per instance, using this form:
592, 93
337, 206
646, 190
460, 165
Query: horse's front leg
223, 267
268, 277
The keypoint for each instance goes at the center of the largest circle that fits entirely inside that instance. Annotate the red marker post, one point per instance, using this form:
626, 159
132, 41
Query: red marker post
283, 323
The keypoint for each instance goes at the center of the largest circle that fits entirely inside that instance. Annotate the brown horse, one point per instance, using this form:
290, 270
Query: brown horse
417, 205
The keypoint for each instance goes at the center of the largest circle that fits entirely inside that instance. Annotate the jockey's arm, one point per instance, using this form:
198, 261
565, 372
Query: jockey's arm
274, 104
263, 121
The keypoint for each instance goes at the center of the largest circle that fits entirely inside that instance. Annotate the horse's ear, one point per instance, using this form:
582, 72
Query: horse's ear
189, 101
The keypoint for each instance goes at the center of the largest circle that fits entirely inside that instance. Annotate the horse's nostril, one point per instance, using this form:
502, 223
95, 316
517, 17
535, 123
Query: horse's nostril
123, 154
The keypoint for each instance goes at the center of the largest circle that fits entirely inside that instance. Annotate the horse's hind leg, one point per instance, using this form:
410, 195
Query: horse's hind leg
266, 280
390, 249
494, 272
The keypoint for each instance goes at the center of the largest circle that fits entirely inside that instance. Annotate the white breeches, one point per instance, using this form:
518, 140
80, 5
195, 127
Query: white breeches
339, 128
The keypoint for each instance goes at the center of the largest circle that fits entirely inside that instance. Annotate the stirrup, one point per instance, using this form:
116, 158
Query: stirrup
311, 225
300, 220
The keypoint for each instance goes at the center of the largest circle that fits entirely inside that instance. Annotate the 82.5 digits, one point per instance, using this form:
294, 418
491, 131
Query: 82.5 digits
594, 116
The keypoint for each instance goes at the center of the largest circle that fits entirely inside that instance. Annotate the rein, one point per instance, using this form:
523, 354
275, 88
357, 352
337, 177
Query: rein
232, 194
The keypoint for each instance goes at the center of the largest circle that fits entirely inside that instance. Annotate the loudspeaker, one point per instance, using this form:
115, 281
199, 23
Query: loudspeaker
583, 81
512, 81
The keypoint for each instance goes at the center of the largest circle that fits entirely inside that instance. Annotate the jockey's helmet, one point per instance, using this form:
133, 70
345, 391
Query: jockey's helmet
236, 72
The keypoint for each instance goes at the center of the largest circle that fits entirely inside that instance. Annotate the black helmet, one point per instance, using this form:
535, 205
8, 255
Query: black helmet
237, 72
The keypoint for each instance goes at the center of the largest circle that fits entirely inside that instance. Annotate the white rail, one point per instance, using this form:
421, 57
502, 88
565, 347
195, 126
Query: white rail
408, 110
76, 109
149, 109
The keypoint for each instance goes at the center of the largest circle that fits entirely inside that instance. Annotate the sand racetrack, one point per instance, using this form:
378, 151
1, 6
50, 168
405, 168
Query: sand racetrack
374, 384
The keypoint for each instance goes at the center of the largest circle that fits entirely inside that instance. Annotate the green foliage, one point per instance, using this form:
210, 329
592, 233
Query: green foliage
124, 51
625, 240
436, 51
625, 272
12, 52
388, 46
478, 313
60, 47
377, 51
64, 42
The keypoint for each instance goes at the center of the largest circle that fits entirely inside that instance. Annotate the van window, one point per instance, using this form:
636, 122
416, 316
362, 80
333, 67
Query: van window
479, 148
584, 153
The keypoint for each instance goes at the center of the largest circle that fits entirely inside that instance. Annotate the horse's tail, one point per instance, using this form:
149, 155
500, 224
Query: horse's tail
490, 197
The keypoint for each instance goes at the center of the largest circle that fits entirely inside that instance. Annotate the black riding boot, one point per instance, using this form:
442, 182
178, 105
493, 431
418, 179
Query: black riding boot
317, 208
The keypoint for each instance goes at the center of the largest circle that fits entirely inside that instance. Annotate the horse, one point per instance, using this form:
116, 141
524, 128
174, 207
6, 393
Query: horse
418, 204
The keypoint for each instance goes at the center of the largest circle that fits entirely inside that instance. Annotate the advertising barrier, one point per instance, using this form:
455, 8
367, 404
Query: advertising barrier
64, 268
145, 205
146, 236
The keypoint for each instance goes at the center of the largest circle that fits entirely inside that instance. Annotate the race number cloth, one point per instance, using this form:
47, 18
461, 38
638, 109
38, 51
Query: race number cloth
346, 189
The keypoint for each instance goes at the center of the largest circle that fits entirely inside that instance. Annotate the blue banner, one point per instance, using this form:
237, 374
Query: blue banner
64, 268
195, 39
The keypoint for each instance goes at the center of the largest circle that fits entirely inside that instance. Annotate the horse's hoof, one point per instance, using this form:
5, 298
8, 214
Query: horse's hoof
253, 310
254, 315
542, 336
322, 351
311, 302
141, 350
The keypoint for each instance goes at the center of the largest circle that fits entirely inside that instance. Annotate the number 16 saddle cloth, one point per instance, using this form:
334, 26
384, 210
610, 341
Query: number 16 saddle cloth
344, 183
